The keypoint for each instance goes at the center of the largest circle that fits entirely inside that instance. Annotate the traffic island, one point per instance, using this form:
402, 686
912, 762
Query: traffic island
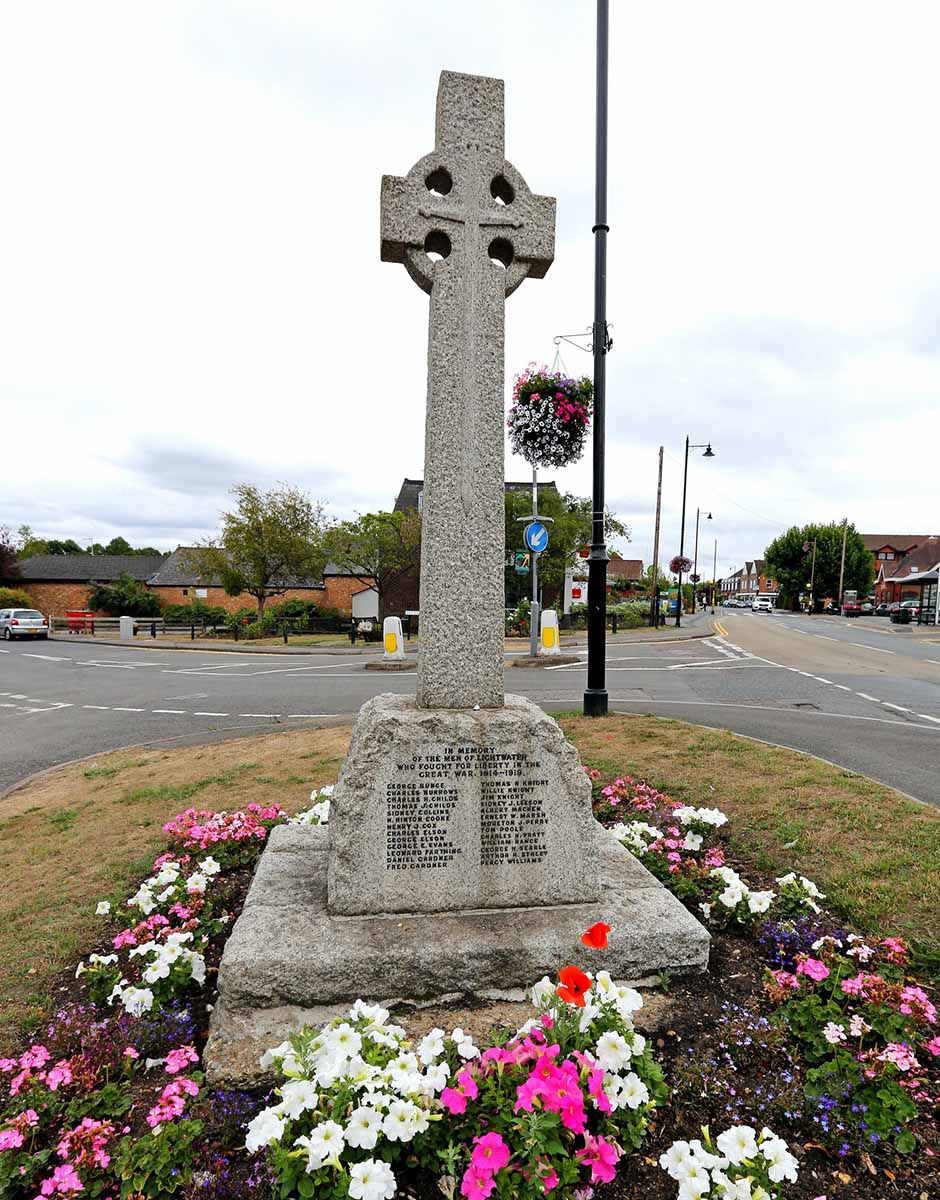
396, 665
545, 660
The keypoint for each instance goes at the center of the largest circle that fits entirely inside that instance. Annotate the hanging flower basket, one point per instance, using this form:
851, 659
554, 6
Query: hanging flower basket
680, 563
549, 417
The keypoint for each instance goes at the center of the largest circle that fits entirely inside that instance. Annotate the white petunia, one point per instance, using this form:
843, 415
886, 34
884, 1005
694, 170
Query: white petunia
365, 1125
197, 882
431, 1047
104, 907
464, 1043
738, 1143
400, 1124
297, 1096
137, 1001
435, 1079
343, 1040
634, 1091
759, 902
326, 1142
781, 1163
692, 841
374, 1013
142, 899
613, 1051
371, 1180
674, 1157
732, 896
210, 867
542, 993
265, 1128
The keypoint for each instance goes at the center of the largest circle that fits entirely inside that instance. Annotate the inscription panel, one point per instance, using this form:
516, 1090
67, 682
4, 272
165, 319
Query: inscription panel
511, 791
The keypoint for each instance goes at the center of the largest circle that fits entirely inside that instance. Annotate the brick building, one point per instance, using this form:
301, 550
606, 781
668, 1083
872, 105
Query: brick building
923, 554
749, 580
59, 583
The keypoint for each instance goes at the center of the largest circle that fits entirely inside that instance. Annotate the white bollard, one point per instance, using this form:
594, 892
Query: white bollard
548, 632
127, 629
392, 637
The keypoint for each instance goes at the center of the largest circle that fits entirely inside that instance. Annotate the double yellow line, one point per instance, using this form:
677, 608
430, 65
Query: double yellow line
721, 629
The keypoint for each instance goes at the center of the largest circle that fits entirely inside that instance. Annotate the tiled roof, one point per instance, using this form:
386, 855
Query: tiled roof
175, 571
87, 568
411, 488
897, 541
924, 557
625, 568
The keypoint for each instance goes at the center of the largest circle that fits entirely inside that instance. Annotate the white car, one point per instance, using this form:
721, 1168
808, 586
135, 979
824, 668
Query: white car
762, 604
23, 622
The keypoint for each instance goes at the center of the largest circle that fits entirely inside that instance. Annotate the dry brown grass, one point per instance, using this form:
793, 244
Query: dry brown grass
91, 831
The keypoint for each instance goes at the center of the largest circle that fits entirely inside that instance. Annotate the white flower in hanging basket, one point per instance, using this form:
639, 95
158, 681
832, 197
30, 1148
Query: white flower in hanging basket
549, 417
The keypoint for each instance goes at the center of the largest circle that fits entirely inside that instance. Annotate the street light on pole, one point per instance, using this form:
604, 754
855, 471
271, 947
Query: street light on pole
695, 563
709, 453
714, 576
595, 695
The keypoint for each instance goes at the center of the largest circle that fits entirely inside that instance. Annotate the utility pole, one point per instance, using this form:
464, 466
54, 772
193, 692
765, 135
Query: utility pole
845, 530
812, 583
595, 695
654, 582
714, 575
534, 611
695, 561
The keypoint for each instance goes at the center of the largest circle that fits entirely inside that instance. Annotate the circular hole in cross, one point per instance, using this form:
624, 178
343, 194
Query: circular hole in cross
502, 190
439, 182
437, 245
500, 252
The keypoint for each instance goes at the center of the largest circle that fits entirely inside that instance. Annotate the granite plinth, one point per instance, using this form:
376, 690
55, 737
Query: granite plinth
437, 810
290, 962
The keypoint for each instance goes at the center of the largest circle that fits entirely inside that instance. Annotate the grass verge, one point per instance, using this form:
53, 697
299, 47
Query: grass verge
90, 831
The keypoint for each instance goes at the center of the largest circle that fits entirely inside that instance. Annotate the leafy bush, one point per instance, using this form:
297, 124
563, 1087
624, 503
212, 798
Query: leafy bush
15, 598
185, 614
126, 597
517, 619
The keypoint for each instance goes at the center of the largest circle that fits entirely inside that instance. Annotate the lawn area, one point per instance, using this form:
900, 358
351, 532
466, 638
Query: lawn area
91, 831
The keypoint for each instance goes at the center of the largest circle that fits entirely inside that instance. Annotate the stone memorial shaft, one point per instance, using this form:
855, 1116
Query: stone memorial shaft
467, 206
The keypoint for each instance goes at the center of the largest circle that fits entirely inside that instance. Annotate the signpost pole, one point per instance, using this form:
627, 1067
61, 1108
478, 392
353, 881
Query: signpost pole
534, 627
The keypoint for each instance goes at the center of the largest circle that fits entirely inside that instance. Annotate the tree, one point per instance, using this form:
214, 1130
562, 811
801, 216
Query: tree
379, 548
125, 597
28, 545
270, 542
119, 545
569, 531
69, 546
791, 565
9, 568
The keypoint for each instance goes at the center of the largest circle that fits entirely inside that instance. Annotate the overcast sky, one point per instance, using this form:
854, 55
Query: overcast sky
191, 292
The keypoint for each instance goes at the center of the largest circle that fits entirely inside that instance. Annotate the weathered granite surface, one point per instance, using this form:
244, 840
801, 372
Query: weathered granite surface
436, 810
289, 962
465, 202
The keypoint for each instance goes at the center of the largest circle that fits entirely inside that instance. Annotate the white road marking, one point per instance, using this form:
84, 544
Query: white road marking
48, 657
899, 707
257, 714
877, 649
865, 696
116, 709
801, 712
935, 661
842, 687
174, 711
826, 638
98, 707
210, 714
928, 717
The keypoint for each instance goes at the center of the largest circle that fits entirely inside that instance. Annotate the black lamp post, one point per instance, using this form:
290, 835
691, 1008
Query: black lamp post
595, 695
709, 453
698, 513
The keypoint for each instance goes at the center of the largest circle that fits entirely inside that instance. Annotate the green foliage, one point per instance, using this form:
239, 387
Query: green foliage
15, 598
791, 565
518, 618
271, 539
8, 552
380, 548
186, 614
569, 531
126, 597
160, 1163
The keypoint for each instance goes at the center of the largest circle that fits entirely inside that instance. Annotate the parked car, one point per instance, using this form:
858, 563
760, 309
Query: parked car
23, 622
913, 606
867, 609
762, 604
883, 609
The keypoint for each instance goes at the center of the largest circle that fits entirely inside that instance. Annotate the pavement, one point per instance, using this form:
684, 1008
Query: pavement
859, 693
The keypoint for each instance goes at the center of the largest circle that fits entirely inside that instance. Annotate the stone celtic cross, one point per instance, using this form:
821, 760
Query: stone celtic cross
468, 231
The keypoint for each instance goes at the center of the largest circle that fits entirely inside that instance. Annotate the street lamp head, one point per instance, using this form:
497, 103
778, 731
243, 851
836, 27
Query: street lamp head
709, 452
709, 516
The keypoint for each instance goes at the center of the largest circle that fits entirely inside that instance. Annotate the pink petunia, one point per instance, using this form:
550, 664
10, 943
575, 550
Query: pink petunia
813, 968
490, 1153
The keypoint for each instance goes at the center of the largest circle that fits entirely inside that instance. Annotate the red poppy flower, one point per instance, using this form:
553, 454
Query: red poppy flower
596, 936
574, 983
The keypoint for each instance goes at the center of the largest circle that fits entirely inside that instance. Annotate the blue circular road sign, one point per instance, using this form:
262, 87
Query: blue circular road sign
536, 537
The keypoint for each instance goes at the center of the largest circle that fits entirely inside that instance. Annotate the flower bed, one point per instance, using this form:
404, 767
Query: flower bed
809, 1054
